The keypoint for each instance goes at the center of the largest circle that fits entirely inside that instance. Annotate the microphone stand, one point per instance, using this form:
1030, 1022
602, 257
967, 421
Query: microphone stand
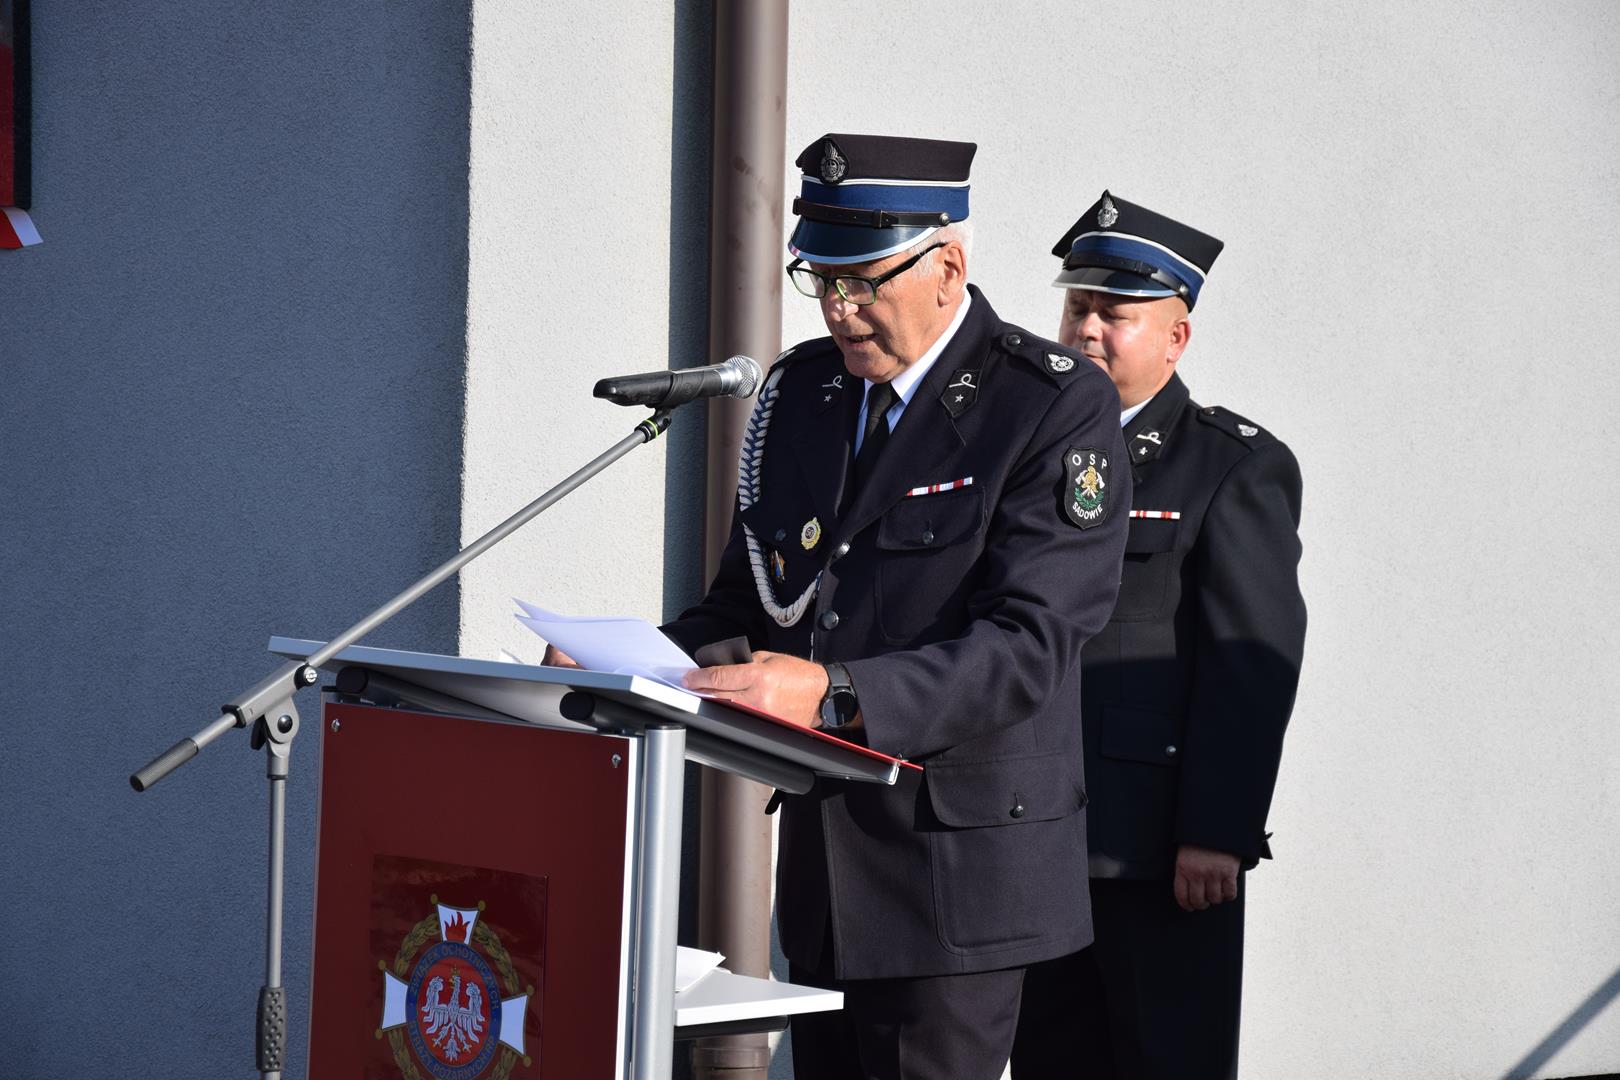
272, 697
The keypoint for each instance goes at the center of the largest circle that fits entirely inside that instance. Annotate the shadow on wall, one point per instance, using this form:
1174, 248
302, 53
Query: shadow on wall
1562, 1035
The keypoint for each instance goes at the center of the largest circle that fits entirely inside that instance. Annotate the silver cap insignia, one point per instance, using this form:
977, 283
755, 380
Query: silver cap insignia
833, 164
1108, 213
1248, 431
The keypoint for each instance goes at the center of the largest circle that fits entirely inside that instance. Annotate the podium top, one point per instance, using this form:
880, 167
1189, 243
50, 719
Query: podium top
534, 693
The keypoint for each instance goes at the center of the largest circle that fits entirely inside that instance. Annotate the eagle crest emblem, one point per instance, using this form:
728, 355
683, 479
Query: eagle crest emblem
443, 1012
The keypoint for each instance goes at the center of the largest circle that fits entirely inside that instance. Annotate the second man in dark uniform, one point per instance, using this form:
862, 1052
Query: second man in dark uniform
1185, 693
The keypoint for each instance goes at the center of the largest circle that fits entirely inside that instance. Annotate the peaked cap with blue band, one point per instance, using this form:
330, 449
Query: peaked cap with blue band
1121, 248
864, 197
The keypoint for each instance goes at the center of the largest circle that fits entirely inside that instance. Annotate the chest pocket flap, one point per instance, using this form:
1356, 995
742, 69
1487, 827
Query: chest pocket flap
920, 522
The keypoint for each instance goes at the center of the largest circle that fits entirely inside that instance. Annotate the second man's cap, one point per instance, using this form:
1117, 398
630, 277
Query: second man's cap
1121, 248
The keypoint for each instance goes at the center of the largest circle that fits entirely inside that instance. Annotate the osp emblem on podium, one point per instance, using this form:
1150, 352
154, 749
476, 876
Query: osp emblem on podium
454, 1006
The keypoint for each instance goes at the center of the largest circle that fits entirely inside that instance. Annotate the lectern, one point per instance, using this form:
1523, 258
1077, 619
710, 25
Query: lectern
498, 867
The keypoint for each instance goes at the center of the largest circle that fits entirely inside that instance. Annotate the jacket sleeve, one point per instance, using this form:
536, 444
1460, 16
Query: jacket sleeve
1250, 638
1047, 586
729, 609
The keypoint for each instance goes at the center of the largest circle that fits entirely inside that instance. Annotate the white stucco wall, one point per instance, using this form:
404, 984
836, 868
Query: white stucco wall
1421, 226
573, 110
1423, 236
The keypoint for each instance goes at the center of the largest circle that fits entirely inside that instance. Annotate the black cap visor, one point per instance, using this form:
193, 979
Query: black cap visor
839, 245
1118, 282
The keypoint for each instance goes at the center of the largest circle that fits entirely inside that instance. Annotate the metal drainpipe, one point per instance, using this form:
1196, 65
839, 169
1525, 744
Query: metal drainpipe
745, 316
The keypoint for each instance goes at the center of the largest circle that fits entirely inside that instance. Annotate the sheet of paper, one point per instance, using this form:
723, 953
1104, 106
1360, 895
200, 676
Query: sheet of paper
623, 646
692, 964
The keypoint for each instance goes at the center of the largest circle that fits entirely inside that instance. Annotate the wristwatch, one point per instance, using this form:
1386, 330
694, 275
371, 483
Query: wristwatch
838, 704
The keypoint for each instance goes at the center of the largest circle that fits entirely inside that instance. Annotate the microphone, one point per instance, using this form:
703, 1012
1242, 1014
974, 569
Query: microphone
738, 376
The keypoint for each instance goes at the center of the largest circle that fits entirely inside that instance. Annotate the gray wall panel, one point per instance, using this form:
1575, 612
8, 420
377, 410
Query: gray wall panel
231, 405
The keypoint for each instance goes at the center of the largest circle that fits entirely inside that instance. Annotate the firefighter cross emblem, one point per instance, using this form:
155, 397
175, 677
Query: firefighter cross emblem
443, 1003
1086, 498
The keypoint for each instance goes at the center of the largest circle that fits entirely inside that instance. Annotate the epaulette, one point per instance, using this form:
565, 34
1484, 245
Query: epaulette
1240, 428
1058, 362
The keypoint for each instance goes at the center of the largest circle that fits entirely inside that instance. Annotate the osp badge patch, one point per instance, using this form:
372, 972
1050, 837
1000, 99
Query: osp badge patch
454, 1006
1086, 498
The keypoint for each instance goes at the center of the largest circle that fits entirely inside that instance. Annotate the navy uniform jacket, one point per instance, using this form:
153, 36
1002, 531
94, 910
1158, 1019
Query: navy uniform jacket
960, 615
1188, 688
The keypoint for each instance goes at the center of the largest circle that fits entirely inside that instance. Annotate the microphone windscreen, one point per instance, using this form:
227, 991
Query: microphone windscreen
749, 375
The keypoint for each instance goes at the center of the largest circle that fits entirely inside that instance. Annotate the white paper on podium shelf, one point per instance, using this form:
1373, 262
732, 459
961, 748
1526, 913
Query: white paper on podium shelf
692, 964
611, 643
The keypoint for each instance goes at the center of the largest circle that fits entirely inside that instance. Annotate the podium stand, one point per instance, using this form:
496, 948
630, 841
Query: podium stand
498, 867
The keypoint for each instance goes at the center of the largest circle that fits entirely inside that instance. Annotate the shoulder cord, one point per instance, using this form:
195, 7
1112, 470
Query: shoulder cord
749, 467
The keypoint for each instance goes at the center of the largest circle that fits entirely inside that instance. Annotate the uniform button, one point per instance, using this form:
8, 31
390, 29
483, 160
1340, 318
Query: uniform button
928, 536
1018, 810
781, 535
842, 550
1170, 751
829, 620
1013, 341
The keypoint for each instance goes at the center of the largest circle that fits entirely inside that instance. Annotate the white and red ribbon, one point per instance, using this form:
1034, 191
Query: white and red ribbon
1157, 515
930, 489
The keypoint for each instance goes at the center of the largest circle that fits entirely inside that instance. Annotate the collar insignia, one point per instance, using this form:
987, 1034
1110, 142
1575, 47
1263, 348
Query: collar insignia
831, 391
962, 392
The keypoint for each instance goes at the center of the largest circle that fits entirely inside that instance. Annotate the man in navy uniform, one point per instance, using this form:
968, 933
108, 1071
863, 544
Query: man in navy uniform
1187, 690
930, 518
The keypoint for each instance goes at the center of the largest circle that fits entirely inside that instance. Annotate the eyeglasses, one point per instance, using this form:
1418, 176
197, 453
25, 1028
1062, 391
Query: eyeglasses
856, 290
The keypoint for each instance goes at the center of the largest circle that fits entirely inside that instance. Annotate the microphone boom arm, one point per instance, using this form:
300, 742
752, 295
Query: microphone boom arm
253, 704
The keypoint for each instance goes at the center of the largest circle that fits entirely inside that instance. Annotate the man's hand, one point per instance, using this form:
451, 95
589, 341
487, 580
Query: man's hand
774, 683
1204, 877
555, 657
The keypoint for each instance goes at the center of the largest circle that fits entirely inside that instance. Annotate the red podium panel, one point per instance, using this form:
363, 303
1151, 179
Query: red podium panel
471, 899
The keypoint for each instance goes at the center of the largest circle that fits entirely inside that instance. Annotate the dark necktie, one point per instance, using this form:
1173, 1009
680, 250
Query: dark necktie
879, 400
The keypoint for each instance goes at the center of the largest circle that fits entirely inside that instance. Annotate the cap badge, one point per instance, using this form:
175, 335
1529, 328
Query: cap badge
1248, 431
810, 535
1058, 363
1107, 214
833, 164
